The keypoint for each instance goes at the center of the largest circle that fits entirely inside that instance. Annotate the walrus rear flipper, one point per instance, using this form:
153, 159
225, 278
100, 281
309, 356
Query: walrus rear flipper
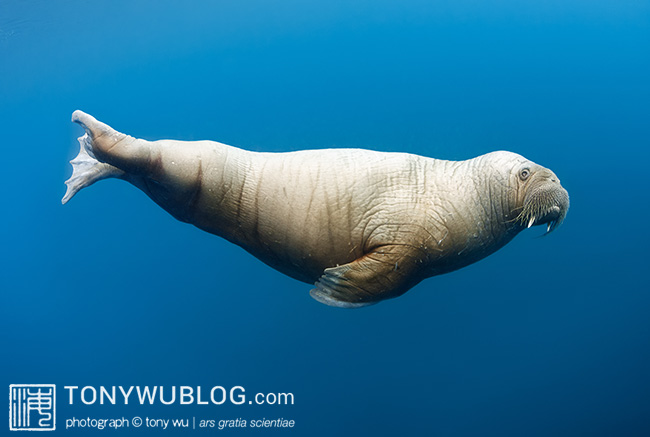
86, 168
380, 275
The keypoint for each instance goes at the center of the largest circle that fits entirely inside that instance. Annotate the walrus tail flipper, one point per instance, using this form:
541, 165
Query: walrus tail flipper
86, 168
383, 274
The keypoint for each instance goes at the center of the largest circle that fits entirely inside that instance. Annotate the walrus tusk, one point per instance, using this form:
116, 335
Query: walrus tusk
530, 223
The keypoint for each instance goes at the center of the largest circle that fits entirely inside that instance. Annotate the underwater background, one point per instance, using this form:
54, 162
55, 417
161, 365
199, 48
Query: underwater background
548, 336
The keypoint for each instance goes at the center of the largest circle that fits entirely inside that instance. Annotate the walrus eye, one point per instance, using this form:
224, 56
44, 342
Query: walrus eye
524, 173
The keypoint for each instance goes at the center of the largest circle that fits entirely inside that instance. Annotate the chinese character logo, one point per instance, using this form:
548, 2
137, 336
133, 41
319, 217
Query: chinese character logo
32, 407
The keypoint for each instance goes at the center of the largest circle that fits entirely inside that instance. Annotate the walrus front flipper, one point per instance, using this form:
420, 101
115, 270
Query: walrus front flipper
380, 275
334, 289
86, 168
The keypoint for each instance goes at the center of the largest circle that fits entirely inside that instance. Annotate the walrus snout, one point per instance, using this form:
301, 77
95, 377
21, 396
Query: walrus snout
546, 202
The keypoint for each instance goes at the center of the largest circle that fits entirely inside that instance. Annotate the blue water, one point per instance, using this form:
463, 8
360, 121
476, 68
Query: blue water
549, 336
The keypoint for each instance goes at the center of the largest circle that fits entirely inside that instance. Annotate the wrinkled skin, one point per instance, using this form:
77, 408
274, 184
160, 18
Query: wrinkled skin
362, 225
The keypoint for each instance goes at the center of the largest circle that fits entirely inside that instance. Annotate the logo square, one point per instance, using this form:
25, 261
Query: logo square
32, 407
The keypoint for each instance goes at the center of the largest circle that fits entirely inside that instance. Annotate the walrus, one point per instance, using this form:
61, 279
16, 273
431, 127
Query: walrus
361, 225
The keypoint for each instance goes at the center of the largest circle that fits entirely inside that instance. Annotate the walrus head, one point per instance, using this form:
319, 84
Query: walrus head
542, 199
